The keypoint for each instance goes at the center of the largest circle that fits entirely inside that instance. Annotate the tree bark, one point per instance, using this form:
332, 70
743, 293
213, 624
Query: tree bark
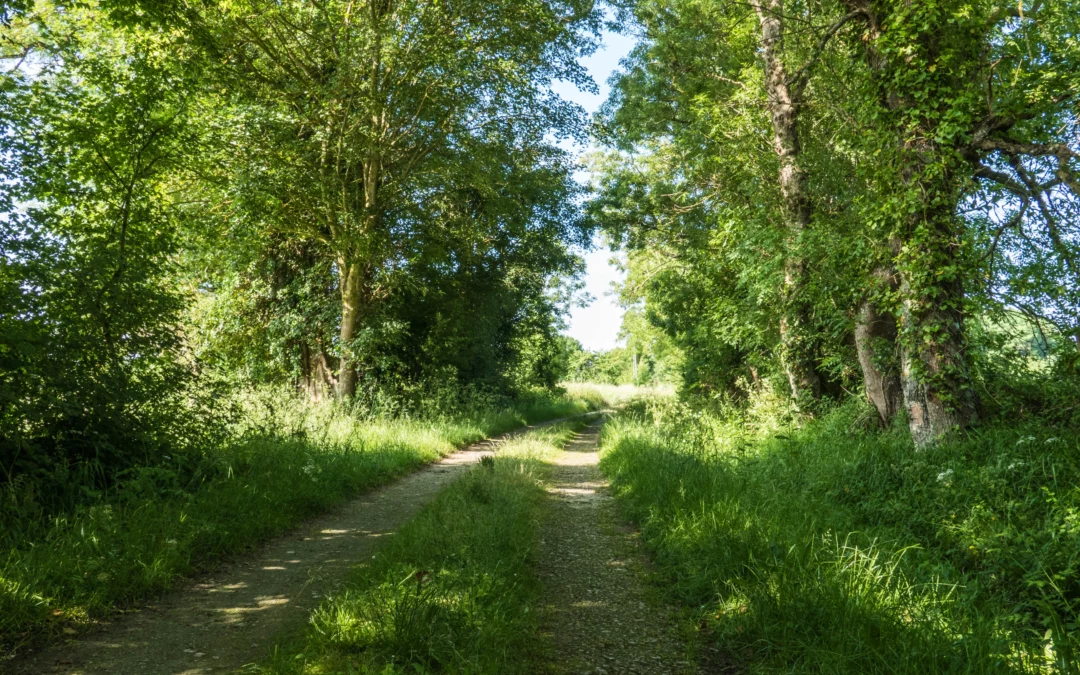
797, 351
316, 373
875, 342
351, 298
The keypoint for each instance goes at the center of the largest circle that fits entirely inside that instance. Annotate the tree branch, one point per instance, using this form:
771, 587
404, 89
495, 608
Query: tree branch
1051, 222
799, 80
1066, 176
1013, 147
1003, 179
1007, 225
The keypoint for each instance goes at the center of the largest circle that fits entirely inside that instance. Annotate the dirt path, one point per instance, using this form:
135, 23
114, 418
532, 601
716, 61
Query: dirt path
597, 616
230, 618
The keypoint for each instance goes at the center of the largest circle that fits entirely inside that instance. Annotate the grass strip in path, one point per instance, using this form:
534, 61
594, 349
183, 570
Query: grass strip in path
597, 613
452, 591
229, 619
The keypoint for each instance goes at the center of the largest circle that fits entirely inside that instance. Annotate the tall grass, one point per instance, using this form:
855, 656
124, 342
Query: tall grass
289, 460
828, 549
451, 593
614, 395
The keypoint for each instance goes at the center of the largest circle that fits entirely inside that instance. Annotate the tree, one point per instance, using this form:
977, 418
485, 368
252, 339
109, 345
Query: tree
358, 119
700, 182
94, 373
957, 87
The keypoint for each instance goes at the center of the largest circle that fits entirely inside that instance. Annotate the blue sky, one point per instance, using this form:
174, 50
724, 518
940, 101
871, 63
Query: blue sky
597, 325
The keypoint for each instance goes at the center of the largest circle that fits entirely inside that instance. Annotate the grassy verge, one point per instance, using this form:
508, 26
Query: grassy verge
290, 461
451, 593
832, 550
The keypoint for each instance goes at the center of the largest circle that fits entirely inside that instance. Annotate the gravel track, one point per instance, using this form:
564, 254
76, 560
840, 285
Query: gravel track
598, 615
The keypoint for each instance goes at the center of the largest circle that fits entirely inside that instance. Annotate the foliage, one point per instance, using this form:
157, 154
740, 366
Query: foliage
199, 198
400, 153
829, 549
93, 374
209, 195
932, 190
649, 359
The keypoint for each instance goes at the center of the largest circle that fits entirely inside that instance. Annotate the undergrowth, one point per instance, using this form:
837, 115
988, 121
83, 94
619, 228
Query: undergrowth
832, 549
451, 593
287, 460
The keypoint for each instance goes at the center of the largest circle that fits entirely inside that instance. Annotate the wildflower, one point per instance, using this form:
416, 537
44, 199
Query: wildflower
945, 476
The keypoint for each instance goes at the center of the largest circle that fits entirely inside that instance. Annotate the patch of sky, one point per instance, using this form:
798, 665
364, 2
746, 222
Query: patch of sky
595, 320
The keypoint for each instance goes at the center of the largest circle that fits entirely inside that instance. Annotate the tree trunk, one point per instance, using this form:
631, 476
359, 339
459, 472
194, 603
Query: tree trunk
316, 373
797, 351
875, 341
934, 369
933, 360
351, 297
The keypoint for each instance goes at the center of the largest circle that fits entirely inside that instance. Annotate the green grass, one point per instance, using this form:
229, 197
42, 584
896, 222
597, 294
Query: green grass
451, 593
830, 549
290, 460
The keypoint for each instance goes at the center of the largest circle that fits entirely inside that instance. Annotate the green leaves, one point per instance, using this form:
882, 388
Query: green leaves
406, 144
97, 379
939, 169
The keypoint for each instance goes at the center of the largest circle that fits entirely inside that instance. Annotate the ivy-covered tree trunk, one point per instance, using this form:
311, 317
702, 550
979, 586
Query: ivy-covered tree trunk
934, 364
797, 349
912, 52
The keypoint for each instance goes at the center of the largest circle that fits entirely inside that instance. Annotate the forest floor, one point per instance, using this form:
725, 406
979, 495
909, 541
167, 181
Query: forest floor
598, 614
230, 618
